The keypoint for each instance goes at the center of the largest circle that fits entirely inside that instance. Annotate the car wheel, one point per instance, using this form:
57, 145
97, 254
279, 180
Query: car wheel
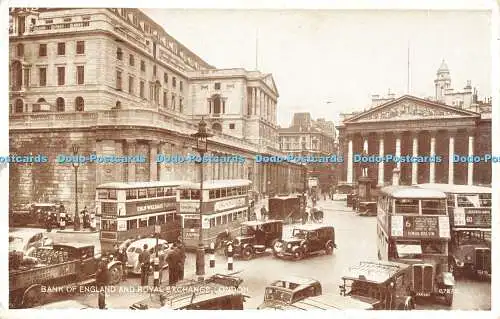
329, 248
115, 275
33, 297
247, 253
277, 247
448, 299
298, 254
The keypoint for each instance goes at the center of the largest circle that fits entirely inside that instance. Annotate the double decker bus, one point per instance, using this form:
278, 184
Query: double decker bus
131, 210
225, 205
470, 221
413, 227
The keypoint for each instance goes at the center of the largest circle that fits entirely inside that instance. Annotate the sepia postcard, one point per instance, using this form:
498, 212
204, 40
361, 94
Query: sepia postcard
249, 159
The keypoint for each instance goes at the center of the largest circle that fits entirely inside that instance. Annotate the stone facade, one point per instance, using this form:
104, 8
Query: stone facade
115, 83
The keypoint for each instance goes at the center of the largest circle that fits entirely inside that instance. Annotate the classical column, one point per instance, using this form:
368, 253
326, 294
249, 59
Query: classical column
470, 165
451, 152
398, 149
365, 142
258, 99
153, 165
349, 160
381, 176
131, 145
414, 165
432, 164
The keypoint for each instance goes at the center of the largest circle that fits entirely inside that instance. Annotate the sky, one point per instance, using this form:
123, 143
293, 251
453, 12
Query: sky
331, 61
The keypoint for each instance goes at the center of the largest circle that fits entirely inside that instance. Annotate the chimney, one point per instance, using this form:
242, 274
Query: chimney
395, 177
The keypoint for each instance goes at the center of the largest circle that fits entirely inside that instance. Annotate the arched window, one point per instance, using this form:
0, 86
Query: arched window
19, 107
79, 104
217, 127
60, 104
41, 100
118, 105
20, 50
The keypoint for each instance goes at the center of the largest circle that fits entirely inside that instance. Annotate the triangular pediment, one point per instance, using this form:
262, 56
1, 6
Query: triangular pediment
268, 79
410, 108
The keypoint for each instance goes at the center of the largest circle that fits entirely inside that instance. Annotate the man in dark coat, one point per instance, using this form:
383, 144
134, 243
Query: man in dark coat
173, 260
122, 257
144, 261
182, 259
102, 275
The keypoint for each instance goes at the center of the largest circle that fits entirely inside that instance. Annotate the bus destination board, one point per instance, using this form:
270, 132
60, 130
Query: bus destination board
421, 226
478, 218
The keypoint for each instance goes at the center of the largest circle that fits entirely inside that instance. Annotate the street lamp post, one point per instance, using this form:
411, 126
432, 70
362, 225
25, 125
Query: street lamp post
304, 193
75, 163
201, 145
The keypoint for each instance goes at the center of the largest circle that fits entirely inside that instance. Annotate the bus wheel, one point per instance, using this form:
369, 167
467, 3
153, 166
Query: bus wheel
247, 253
32, 297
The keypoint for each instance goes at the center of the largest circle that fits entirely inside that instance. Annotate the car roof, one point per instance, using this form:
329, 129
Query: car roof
404, 192
457, 189
312, 226
151, 242
376, 272
330, 301
301, 282
261, 222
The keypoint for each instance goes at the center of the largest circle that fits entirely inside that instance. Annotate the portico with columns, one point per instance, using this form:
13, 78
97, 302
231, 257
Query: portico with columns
417, 128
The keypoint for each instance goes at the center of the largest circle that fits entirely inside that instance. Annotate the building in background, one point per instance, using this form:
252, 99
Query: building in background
308, 137
114, 82
453, 122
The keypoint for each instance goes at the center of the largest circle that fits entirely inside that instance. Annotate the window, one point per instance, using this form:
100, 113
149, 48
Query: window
131, 85
60, 104
160, 192
79, 104
165, 99
406, 206
141, 89
119, 80
433, 207
217, 85
42, 76
132, 224
80, 47
108, 225
61, 48
80, 74
154, 70
231, 126
142, 193
131, 60
173, 102
143, 66
217, 105
20, 50
161, 219
152, 220
131, 194
61, 72
180, 86
151, 192
42, 50
174, 81
143, 222
119, 54
19, 106
165, 77
181, 105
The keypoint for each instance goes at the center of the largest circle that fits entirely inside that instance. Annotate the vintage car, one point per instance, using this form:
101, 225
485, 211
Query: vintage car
256, 237
217, 292
470, 253
289, 290
384, 285
323, 302
135, 249
306, 239
61, 265
368, 208
27, 240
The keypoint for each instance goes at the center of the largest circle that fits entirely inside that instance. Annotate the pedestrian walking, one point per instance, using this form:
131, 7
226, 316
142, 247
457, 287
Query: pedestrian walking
102, 278
182, 258
48, 223
173, 261
122, 257
263, 213
145, 262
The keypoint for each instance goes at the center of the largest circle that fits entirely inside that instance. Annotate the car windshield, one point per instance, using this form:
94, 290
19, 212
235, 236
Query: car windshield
273, 294
299, 233
247, 231
16, 243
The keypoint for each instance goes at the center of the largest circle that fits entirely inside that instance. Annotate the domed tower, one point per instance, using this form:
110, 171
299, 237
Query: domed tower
442, 81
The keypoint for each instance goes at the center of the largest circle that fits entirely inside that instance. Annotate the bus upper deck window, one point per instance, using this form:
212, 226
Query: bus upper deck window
160, 192
211, 194
131, 193
112, 194
433, 207
151, 192
168, 191
195, 194
142, 193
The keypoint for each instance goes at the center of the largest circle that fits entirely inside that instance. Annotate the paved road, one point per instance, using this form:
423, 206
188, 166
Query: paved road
356, 241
